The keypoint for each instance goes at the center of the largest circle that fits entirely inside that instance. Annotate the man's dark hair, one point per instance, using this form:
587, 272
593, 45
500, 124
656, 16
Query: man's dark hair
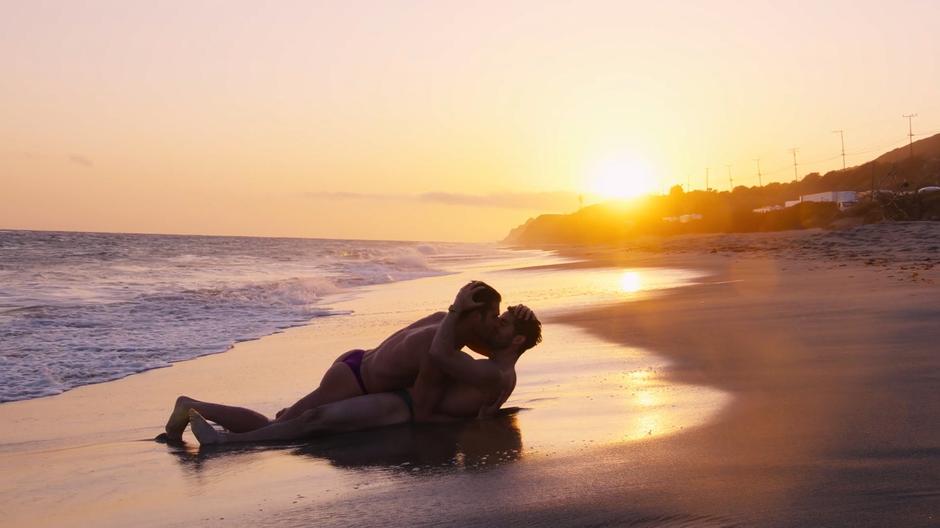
531, 329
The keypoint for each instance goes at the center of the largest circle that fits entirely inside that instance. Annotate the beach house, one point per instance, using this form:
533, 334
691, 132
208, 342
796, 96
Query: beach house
844, 199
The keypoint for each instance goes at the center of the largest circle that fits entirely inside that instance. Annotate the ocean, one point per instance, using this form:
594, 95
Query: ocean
82, 308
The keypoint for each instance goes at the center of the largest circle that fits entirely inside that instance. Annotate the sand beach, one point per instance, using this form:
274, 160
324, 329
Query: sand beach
782, 379
726, 216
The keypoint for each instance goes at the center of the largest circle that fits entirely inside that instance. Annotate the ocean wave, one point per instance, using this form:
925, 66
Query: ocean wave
81, 308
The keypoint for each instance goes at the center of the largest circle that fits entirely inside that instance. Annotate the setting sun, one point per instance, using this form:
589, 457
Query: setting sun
717, 223
620, 177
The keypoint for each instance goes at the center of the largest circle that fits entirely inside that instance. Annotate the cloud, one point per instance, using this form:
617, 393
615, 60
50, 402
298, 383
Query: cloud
537, 200
78, 159
559, 200
347, 196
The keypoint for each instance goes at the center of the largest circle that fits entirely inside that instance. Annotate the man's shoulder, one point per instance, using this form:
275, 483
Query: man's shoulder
498, 379
429, 321
420, 337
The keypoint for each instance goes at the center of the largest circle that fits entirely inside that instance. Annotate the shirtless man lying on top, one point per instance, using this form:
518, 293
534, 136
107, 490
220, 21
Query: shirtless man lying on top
450, 386
473, 321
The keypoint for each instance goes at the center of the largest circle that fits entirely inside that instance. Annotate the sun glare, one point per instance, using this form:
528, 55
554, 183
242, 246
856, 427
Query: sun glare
630, 282
621, 177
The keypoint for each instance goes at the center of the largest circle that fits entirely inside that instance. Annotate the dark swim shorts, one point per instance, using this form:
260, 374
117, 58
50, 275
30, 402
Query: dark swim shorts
406, 396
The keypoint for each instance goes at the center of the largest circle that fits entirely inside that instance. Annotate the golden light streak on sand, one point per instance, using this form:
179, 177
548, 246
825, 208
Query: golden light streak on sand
631, 282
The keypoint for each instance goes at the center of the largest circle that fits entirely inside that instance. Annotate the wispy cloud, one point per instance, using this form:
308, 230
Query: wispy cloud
537, 200
78, 159
534, 201
347, 195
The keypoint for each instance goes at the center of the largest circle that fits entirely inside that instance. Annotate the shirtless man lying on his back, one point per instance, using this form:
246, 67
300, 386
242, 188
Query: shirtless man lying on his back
392, 366
450, 386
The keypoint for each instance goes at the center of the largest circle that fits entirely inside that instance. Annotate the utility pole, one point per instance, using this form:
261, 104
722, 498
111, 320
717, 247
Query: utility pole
793, 150
688, 183
707, 188
910, 133
730, 179
842, 138
759, 176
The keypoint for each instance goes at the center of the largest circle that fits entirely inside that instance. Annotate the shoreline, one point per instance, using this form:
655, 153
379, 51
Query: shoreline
94, 445
828, 361
86, 308
832, 420
791, 392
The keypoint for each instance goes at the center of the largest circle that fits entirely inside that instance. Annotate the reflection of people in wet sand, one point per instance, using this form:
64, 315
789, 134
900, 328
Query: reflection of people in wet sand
468, 444
418, 374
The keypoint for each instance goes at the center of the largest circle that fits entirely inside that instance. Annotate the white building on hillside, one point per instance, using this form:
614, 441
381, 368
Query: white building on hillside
844, 199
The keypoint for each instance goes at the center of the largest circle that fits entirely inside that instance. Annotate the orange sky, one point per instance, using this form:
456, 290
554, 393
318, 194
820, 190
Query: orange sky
438, 120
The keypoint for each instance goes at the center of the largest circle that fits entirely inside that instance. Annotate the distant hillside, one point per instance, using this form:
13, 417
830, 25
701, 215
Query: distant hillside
926, 148
733, 211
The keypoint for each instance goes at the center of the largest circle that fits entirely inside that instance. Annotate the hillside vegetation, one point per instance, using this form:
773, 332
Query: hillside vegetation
894, 176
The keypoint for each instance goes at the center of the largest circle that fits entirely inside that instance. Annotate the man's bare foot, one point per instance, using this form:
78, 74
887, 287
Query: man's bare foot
179, 418
205, 433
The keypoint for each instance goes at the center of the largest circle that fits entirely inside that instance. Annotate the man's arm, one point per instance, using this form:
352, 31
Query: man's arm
454, 363
443, 359
488, 411
428, 390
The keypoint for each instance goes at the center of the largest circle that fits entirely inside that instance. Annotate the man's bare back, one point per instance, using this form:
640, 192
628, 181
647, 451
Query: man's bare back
394, 364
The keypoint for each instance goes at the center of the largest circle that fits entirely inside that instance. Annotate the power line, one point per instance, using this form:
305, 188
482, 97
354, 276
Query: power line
808, 164
910, 132
841, 138
793, 150
880, 147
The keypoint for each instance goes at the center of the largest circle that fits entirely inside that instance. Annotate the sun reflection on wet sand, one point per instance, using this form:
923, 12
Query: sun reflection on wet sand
576, 389
630, 282
583, 392
569, 289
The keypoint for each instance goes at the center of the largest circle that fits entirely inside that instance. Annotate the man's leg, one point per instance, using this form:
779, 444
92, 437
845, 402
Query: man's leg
355, 414
238, 419
338, 383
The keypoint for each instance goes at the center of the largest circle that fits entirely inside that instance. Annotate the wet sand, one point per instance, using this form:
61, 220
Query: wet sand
86, 457
827, 342
832, 366
791, 383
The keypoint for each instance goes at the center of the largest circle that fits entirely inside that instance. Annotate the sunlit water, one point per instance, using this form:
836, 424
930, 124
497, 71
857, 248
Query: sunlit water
81, 308
576, 393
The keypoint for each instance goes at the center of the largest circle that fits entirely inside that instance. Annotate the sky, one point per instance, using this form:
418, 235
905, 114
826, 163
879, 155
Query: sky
434, 120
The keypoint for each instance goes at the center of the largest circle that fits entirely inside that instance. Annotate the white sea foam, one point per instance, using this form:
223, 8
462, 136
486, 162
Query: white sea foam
80, 308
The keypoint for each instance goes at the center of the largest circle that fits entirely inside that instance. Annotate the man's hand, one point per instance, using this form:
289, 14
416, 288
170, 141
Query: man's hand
488, 411
464, 300
521, 311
